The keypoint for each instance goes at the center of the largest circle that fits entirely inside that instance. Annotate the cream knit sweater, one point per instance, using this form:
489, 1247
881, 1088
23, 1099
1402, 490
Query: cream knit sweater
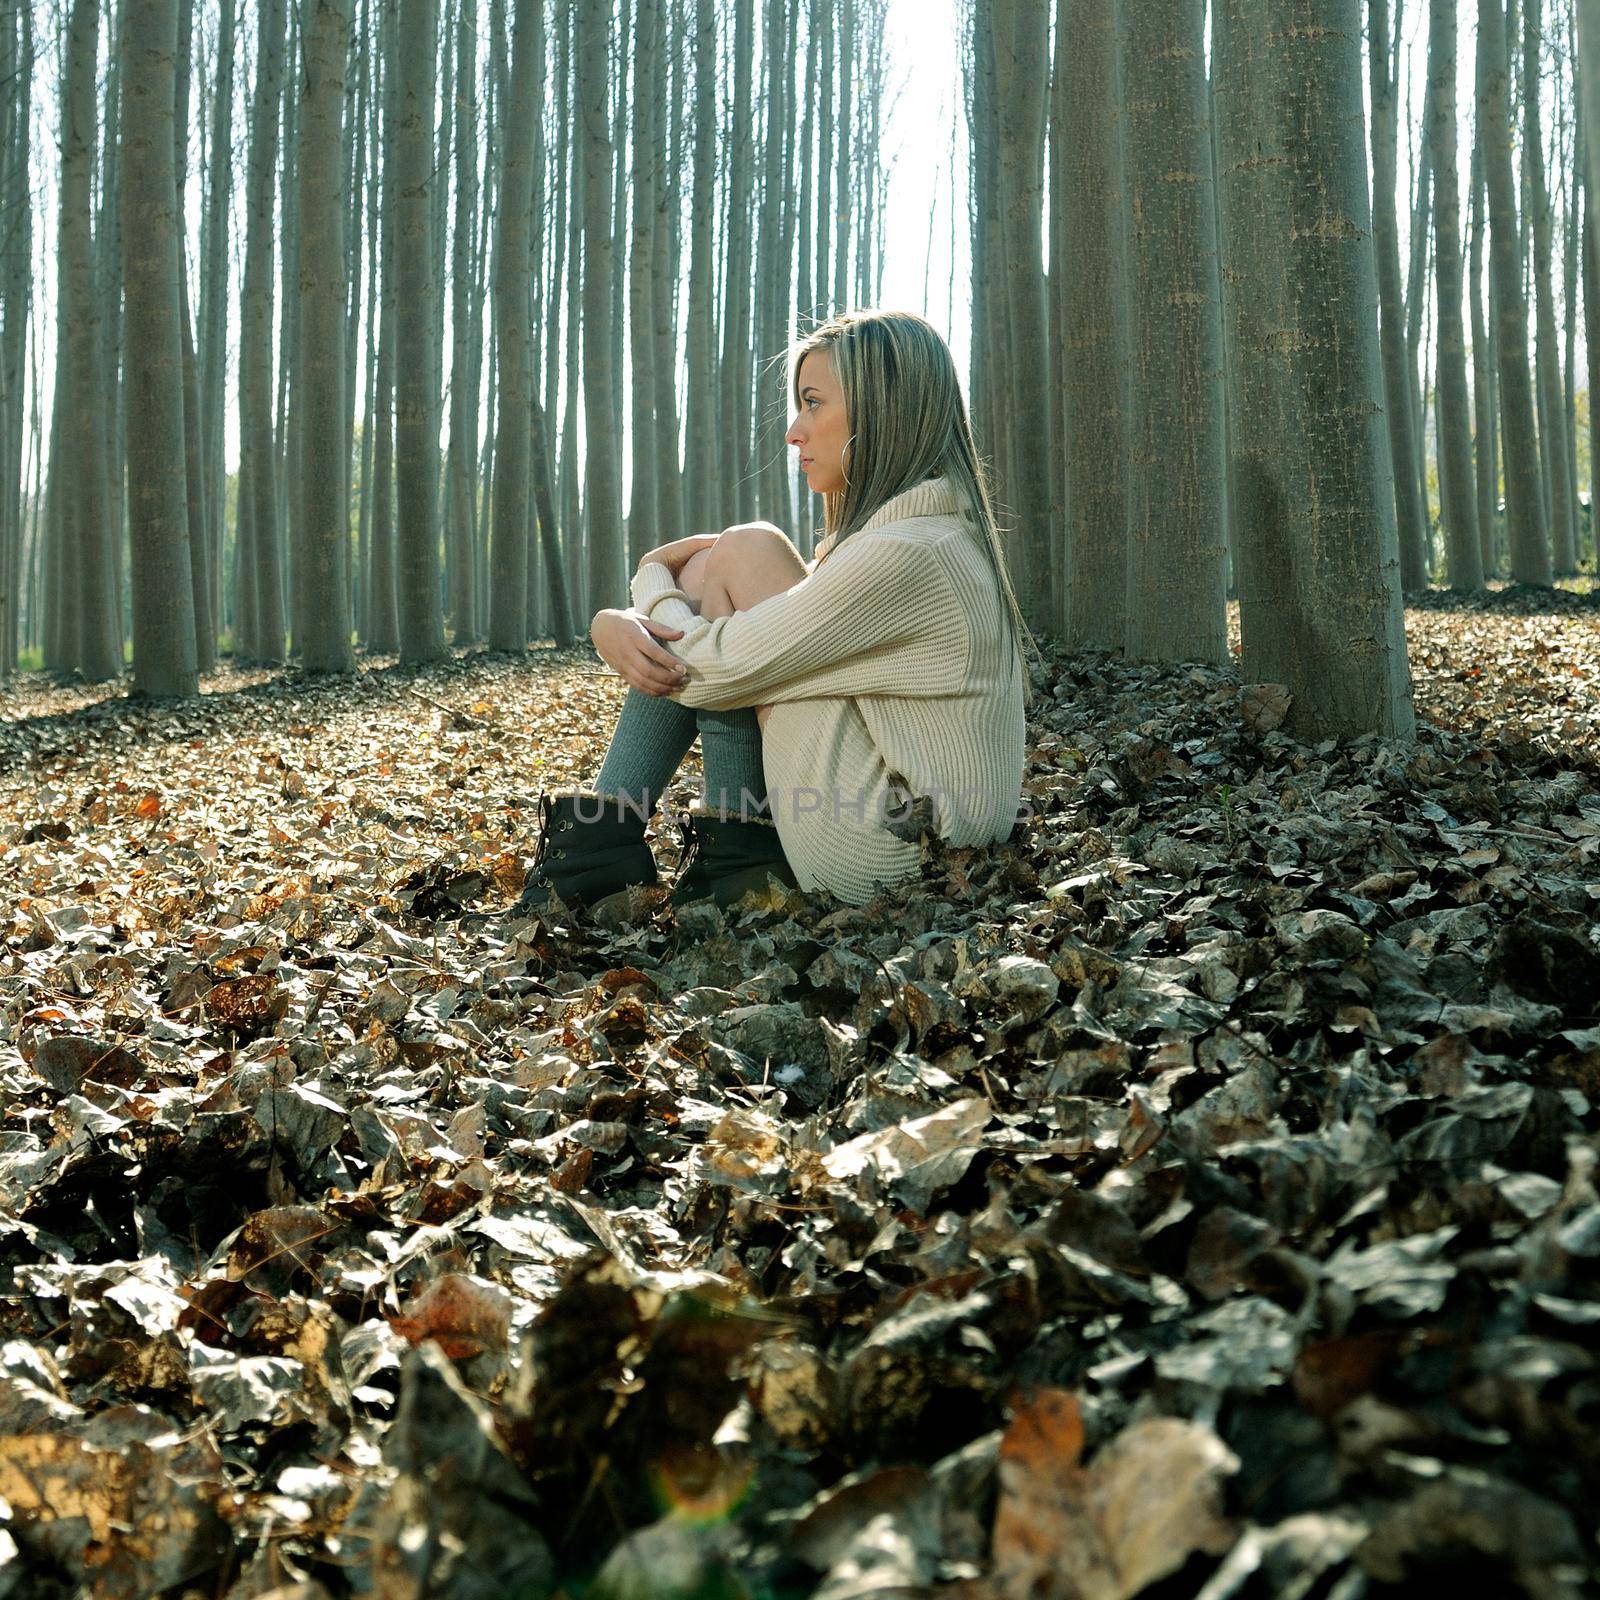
890, 672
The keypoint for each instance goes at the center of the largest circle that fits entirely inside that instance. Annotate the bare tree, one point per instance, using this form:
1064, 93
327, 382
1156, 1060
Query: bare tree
163, 596
89, 641
644, 515
1317, 559
1562, 505
463, 449
1409, 511
322, 599
1018, 32
1525, 524
1457, 489
1092, 297
416, 412
1177, 608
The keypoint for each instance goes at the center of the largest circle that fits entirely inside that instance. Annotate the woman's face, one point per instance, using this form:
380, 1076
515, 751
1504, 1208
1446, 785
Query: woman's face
821, 430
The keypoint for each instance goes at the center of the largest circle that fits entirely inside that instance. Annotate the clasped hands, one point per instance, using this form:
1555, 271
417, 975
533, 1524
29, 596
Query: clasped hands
626, 640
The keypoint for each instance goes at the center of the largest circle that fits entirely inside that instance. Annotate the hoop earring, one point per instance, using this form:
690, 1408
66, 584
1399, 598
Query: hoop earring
848, 442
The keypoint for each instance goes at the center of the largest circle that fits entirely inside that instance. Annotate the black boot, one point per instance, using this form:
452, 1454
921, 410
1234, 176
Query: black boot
590, 846
727, 856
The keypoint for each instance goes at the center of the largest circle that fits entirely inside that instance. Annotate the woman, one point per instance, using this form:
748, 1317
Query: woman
826, 697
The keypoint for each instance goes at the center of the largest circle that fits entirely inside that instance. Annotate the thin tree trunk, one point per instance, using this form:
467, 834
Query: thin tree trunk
85, 585
703, 496
322, 610
1525, 525
1019, 40
664, 269
258, 611
417, 358
1553, 431
215, 258
1482, 372
1177, 606
644, 513
737, 360
1457, 496
1411, 522
602, 486
1318, 558
508, 614
463, 450
1094, 327
158, 524
843, 151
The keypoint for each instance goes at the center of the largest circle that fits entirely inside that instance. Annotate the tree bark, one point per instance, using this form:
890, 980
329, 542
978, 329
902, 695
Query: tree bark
416, 351
1483, 461
1020, 41
664, 270
1093, 295
508, 621
1553, 433
1318, 557
158, 525
322, 597
737, 357
215, 258
602, 486
89, 639
463, 452
1410, 518
1525, 525
1457, 491
258, 610
1177, 605
703, 497
644, 513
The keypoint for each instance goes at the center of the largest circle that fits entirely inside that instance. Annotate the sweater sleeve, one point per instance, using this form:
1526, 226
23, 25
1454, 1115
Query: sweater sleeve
880, 616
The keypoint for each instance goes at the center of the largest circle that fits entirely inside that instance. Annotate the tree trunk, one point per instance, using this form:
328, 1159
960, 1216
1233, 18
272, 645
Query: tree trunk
205, 642
1019, 39
602, 485
1318, 558
1591, 342
644, 513
703, 501
322, 599
1177, 604
89, 641
1525, 526
463, 456
416, 411
843, 149
1093, 331
1553, 433
158, 524
16, 285
664, 269
1410, 518
258, 611
215, 259
1482, 364
737, 359
508, 616
1457, 492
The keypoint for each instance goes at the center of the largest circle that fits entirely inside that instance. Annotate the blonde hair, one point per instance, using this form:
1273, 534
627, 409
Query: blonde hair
908, 423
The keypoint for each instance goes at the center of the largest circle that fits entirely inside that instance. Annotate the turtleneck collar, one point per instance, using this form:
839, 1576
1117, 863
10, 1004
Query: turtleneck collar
933, 497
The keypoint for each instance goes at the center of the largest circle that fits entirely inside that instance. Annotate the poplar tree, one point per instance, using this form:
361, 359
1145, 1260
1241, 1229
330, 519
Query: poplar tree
162, 590
1525, 522
1318, 558
322, 597
1457, 489
1177, 608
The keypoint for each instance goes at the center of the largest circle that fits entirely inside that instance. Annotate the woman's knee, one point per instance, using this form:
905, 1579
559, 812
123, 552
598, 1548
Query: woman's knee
755, 559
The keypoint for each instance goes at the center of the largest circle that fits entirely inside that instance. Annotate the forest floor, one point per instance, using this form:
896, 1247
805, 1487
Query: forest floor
1195, 1196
